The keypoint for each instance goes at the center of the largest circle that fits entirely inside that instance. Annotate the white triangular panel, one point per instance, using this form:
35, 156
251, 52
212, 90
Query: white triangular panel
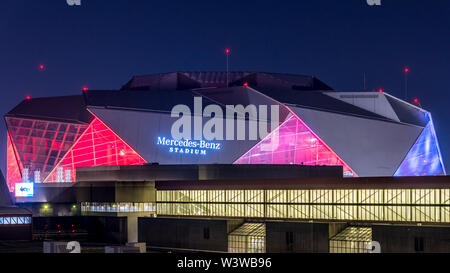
370, 101
370, 147
141, 130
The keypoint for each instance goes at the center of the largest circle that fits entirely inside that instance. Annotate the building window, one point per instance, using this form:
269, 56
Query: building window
206, 233
15, 220
289, 238
418, 243
117, 207
373, 205
248, 238
351, 240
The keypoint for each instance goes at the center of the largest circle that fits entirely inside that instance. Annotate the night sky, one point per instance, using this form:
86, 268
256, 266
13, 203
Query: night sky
103, 43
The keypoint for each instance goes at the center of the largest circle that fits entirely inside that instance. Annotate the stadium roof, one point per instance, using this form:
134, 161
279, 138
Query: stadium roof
156, 100
191, 80
293, 90
165, 87
70, 109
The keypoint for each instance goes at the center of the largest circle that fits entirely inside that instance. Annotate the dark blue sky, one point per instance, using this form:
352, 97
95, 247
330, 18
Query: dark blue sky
103, 43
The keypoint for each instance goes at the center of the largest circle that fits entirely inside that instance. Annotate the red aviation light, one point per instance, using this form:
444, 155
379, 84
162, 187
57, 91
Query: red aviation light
406, 70
85, 88
227, 51
380, 90
245, 84
416, 100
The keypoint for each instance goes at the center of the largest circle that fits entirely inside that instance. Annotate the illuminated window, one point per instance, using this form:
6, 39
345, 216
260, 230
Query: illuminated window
13, 175
39, 145
248, 238
16, 220
97, 146
296, 144
382, 205
424, 158
351, 240
117, 207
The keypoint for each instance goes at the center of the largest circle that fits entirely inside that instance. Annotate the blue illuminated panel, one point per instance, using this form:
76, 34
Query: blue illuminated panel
424, 158
15, 220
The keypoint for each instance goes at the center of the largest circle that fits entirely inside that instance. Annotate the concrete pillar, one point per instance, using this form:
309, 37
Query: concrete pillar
132, 228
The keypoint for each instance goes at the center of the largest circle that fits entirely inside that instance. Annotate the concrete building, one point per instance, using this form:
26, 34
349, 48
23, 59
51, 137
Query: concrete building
258, 208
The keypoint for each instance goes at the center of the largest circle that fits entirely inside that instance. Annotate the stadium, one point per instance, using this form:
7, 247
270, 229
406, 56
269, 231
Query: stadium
368, 133
348, 167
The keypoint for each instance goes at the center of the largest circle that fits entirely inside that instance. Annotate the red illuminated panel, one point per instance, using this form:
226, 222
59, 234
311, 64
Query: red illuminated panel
40, 144
13, 175
296, 144
98, 146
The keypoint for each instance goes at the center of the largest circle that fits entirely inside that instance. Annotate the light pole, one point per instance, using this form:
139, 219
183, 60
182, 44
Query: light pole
364, 81
227, 53
406, 83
